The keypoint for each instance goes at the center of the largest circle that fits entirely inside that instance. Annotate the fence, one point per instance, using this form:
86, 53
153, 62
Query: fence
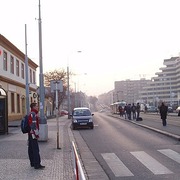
78, 171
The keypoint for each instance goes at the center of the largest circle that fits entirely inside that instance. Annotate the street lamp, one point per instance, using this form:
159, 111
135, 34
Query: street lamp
27, 78
68, 93
43, 122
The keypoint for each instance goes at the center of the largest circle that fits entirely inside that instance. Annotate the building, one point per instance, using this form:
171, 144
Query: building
13, 78
128, 90
166, 86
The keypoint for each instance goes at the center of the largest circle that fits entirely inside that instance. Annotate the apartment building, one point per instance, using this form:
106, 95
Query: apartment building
128, 90
165, 86
13, 79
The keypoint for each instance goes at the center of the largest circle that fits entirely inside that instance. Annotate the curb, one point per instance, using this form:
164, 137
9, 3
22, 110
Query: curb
153, 129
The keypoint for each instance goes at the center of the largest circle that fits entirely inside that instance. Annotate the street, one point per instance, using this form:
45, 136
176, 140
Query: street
127, 151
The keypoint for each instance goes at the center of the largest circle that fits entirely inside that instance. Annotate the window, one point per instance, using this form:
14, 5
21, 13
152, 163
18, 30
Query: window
5, 61
30, 76
34, 77
12, 103
17, 67
12, 64
22, 70
18, 103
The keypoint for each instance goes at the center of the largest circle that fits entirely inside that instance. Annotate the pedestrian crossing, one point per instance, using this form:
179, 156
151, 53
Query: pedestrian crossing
157, 168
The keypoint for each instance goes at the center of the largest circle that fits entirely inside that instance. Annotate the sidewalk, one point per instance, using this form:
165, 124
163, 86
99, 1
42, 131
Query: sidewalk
14, 156
172, 129
14, 160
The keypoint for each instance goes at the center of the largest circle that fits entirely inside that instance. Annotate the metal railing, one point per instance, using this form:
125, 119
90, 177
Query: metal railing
78, 171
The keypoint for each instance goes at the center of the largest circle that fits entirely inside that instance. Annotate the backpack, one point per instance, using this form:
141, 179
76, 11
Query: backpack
25, 128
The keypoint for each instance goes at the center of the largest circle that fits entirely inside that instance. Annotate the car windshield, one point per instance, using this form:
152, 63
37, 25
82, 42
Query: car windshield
81, 112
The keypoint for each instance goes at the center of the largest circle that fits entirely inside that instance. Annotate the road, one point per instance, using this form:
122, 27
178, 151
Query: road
127, 151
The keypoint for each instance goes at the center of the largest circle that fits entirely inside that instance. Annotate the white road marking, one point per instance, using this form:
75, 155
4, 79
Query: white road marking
153, 165
116, 165
171, 154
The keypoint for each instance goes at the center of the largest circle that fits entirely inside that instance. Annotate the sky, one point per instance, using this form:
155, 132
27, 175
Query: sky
117, 39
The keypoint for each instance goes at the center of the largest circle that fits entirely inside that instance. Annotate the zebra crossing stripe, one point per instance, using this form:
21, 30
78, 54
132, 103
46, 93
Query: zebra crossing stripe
116, 165
171, 154
153, 165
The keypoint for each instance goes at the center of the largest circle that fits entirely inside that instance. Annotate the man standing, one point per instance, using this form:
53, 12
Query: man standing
33, 135
163, 113
138, 108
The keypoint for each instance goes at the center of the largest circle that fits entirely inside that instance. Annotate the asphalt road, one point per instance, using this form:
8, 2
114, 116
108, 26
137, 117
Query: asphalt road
127, 151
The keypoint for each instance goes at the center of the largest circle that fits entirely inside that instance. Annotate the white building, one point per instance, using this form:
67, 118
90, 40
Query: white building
166, 86
13, 78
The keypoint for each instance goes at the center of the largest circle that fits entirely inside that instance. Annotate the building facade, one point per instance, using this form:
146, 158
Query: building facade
128, 90
165, 86
13, 78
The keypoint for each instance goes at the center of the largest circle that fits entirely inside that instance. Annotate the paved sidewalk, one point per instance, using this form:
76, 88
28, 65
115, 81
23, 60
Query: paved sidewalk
155, 123
14, 162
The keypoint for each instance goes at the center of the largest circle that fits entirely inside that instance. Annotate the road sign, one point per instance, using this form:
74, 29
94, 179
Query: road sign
56, 85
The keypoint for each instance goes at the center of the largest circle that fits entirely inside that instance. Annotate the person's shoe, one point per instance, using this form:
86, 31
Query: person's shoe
39, 167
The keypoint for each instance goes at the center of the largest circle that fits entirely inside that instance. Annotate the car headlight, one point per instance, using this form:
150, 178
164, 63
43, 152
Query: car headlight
74, 120
90, 120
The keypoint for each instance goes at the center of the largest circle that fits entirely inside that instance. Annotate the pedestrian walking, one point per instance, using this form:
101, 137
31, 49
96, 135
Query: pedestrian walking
33, 135
163, 113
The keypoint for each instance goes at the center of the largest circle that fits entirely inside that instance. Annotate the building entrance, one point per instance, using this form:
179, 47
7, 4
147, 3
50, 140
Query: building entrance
3, 112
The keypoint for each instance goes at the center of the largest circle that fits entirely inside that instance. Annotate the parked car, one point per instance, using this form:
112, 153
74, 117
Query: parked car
82, 117
152, 109
63, 112
170, 109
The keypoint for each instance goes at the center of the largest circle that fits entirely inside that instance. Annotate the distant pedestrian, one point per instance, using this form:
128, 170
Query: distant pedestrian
125, 111
120, 111
138, 108
128, 110
133, 108
145, 109
163, 113
33, 135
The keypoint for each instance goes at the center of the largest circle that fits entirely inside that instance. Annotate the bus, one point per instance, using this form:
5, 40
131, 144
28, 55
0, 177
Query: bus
114, 106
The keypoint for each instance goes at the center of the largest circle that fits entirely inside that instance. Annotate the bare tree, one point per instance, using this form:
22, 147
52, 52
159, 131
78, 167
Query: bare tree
56, 75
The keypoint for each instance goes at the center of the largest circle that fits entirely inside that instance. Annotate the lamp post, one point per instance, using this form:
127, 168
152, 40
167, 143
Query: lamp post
27, 79
43, 122
68, 92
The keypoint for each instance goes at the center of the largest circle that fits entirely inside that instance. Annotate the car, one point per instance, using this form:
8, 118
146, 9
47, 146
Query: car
82, 117
152, 109
63, 112
170, 109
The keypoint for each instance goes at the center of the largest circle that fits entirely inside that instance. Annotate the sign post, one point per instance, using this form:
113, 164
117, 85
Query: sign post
57, 86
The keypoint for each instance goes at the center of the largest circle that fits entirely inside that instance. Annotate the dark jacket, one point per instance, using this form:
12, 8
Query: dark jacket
163, 111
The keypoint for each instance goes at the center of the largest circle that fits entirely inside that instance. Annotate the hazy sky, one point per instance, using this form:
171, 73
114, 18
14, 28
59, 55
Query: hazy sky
119, 39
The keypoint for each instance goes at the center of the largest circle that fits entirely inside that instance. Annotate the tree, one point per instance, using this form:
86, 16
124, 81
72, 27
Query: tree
56, 75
